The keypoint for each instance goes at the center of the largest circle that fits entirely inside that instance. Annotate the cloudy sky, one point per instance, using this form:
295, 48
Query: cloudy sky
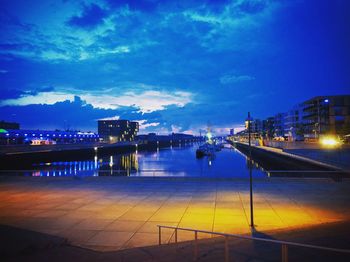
173, 65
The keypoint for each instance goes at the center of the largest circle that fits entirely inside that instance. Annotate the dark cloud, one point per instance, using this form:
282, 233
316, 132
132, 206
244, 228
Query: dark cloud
16, 46
13, 93
73, 114
9, 20
140, 5
7, 93
174, 5
252, 6
91, 16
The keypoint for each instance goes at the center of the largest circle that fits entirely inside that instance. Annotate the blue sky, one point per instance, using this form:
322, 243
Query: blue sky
175, 66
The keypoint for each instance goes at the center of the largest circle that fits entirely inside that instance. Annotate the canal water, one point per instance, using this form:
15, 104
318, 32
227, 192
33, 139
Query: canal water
175, 161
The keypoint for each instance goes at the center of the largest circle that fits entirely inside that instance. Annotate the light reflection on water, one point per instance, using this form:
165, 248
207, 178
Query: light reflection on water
173, 161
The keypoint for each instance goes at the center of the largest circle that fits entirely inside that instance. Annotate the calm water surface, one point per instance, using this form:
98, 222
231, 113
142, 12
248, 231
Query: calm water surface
176, 161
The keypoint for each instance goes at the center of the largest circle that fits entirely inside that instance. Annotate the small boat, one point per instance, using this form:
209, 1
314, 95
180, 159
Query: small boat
206, 150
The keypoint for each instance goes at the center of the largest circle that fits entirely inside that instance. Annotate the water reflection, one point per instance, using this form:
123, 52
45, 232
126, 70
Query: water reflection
112, 165
173, 161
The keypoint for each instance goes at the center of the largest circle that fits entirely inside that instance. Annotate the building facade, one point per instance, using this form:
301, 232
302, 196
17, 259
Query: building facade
326, 115
318, 116
232, 131
268, 129
113, 131
293, 124
42, 137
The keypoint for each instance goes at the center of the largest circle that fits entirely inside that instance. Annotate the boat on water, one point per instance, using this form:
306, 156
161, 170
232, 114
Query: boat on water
207, 150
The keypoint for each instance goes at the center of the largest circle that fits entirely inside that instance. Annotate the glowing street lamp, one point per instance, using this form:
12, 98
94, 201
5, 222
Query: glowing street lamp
330, 142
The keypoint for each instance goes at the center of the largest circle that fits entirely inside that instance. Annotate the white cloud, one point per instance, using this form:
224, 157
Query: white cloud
117, 50
175, 129
111, 118
147, 101
144, 125
53, 55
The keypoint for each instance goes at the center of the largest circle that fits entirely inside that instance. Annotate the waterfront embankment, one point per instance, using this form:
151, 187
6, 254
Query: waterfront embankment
338, 156
276, 159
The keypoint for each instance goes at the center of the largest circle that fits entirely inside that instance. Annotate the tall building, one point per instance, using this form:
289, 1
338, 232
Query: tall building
293, 124
278, 125
255, 125
232, 131
326, 115
113, 131
268, 130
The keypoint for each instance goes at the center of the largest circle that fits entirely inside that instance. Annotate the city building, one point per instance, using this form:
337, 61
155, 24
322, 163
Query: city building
8, 125
113, 131
44, 137
268, 129
278, 125
321, 115
232, 131
326, 115
255, 125
293, 124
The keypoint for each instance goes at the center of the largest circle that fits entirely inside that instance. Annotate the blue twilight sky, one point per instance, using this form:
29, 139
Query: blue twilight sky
174, 65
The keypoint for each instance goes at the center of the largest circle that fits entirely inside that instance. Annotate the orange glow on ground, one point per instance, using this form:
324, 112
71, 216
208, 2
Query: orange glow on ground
111, 214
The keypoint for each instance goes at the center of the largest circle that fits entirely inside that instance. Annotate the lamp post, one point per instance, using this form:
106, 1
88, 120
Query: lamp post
318, 118
320, 111
250, 173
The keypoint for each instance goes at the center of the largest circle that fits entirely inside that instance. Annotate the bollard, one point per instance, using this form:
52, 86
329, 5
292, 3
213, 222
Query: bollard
175, 235
227, 258
284, 253
195, 255
160, 235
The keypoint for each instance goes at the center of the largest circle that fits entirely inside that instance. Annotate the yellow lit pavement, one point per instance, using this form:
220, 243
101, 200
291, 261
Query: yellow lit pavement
113, 213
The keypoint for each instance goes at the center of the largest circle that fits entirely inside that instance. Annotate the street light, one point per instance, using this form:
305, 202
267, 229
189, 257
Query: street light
250, 173
326, 101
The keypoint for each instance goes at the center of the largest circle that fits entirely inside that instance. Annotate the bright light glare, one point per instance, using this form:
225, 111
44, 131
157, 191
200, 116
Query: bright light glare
330, 142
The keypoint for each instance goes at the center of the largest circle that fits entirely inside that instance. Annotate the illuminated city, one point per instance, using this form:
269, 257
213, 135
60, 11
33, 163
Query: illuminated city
148, 130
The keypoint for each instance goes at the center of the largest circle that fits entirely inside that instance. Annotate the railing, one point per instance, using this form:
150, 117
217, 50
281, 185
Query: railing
284, 244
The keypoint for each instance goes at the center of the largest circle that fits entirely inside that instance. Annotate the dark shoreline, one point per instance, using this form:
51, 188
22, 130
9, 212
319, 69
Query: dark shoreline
24, 160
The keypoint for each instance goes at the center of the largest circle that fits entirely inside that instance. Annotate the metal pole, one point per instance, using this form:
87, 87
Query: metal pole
319, 118
250, 173
284, 253
160, 235
175, 235
227, 257
195, 255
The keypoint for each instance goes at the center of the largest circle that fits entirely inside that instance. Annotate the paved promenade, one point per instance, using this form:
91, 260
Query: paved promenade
111, 213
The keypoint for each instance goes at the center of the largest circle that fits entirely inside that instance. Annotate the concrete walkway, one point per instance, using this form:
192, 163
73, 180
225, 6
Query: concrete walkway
114, 213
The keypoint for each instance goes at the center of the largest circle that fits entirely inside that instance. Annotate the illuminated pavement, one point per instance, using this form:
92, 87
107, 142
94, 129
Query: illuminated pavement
111, 213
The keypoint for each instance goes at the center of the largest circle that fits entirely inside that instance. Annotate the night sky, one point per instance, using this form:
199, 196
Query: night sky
175, 66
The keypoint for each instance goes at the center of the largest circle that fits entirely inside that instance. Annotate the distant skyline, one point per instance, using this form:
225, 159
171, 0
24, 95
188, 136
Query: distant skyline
175, 66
